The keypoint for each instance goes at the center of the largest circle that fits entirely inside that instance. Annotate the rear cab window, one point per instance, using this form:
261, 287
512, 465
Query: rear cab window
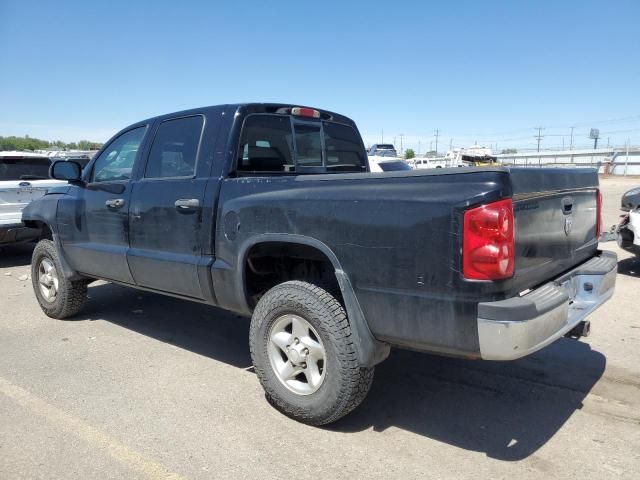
308, 138
276, 143
343, 148
266, 144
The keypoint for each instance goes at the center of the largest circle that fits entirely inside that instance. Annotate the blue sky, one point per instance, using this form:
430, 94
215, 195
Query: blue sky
478, 71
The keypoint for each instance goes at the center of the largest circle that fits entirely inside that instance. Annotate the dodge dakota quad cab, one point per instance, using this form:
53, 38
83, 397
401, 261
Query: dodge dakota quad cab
270, 210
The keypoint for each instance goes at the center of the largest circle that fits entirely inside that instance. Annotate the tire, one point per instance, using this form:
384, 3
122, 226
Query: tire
69, 296
343, 383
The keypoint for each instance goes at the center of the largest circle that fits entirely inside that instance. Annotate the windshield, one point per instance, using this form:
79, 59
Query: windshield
385, 146
24, 168
394, 166
386, 153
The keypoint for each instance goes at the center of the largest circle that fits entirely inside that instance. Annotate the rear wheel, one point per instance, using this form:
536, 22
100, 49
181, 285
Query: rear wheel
303, 353
58, 297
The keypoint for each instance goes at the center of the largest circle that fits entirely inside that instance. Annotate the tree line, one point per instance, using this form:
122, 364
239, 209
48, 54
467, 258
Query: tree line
30, 143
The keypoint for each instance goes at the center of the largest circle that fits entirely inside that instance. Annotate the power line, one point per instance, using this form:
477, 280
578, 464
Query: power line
623, 131
498, 135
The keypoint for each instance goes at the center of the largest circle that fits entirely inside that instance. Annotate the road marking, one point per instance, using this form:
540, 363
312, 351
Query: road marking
113, 447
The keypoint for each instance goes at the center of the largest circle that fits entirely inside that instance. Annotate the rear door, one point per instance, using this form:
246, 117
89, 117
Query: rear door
167, 209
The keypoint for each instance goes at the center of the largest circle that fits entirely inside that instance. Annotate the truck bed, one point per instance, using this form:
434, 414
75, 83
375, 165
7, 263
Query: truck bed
398, 237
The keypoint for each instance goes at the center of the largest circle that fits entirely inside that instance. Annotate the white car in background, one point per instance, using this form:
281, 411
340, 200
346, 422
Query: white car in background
429, 162
382, 150
387, 164
628, 230
24, 176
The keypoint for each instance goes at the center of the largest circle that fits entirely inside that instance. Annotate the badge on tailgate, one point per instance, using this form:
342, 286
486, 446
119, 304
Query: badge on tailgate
25, 187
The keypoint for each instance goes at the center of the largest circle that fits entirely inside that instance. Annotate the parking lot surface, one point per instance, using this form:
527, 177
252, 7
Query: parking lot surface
145, 386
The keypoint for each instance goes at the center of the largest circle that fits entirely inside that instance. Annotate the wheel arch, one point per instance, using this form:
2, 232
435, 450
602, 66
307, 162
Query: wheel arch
370, 350
42, 214
289, 239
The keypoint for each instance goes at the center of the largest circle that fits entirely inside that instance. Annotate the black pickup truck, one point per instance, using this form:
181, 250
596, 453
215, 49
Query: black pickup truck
270, 210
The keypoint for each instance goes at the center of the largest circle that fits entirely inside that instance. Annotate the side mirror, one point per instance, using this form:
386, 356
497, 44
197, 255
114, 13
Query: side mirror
66, 170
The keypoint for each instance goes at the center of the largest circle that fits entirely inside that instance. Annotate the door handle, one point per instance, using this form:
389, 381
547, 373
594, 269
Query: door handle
115, 203
186, 205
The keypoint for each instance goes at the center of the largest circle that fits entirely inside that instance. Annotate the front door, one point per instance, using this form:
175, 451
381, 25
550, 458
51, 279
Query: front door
166, 210
93, 222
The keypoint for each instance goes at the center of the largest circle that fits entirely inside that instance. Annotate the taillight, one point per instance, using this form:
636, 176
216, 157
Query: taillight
487, 241
598, 213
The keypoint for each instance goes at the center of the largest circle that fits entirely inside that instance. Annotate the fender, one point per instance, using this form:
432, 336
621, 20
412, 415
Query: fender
43, 211
371, 351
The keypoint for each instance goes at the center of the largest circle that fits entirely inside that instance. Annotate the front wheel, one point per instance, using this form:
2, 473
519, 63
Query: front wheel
303, 353
58, 296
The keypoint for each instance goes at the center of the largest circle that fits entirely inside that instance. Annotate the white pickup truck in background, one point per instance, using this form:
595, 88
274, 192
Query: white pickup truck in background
24, 176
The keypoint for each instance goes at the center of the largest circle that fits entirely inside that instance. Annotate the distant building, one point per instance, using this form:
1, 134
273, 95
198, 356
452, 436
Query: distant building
607, 160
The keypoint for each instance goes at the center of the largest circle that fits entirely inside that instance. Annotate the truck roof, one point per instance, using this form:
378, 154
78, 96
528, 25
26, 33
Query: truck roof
249, 107
16, 154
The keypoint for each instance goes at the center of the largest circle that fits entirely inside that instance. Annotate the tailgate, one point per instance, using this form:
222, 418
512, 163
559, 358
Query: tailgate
23, 177
15, 195
12, 201
555, 222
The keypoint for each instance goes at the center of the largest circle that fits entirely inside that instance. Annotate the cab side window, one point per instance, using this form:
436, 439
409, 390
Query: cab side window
116, 162
175, 148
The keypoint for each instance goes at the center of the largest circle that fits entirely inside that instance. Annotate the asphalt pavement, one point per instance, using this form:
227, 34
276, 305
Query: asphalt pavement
144, 386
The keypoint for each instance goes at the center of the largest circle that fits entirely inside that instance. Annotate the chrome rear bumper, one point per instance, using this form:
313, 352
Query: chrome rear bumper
512, 328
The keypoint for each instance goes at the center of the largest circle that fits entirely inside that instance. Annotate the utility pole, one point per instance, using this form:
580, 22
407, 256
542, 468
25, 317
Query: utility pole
436, 135
571, 141
451, 144
626, 160
563, 142
382, 136
419, 145
539, 136
401, 150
